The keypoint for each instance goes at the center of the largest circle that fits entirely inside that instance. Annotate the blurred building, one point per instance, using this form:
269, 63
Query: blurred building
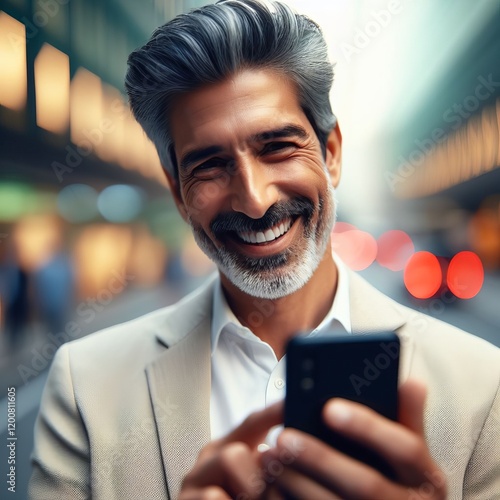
83, 198
445, 159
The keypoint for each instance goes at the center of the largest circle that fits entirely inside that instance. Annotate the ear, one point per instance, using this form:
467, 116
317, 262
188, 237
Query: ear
175, 189
333, 159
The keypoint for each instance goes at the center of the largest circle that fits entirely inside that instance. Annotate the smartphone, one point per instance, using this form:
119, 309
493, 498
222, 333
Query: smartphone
361, 368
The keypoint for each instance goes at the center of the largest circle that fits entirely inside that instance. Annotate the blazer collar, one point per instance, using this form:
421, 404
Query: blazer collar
179, 385
183, 317
372, 311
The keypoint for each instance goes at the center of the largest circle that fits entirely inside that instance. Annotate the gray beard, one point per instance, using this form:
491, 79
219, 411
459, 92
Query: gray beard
275, 276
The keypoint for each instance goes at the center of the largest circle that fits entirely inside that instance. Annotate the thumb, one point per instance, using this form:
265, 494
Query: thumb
255, 427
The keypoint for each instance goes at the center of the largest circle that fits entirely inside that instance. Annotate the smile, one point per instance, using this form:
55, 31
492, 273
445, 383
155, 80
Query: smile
266, 236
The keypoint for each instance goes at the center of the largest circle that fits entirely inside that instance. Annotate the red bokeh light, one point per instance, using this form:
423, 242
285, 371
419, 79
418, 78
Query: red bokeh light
356, 248
465, 275
341, 227
394, 249
423, 276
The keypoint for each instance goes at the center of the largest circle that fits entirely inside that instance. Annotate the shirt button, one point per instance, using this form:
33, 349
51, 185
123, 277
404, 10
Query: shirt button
279, 383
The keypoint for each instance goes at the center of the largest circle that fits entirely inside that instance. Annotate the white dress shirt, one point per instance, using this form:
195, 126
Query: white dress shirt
246, 375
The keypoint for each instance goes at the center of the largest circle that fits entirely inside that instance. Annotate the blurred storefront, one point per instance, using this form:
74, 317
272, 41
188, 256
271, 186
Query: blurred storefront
86, 217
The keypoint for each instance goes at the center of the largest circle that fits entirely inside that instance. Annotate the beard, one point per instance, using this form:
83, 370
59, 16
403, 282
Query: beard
274, 276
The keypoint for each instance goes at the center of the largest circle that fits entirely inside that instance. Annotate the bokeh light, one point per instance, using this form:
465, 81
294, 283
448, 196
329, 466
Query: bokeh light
356, 248
395, 247
120, 203
465, 275
13, 83
77, 203
422, 275
52, 89
341, 227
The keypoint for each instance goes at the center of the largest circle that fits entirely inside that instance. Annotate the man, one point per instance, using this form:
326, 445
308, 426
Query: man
176, 404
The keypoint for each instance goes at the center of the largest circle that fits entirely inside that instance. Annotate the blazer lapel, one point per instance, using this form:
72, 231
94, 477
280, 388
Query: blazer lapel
179, 385
179, 379
372, 311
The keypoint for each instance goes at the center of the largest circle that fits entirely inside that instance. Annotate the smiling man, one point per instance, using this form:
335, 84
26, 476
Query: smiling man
247, 149
235, 96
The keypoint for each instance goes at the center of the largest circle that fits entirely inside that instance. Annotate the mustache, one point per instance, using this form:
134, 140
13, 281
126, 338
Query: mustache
237, 221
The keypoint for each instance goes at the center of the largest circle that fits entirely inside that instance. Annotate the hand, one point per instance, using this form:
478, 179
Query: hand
321, 472
230, 467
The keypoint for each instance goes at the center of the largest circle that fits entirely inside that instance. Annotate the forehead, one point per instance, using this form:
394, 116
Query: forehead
235, 109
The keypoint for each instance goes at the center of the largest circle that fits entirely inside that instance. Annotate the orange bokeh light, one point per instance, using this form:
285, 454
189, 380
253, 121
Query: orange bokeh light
394, 249
422, 275
465, 275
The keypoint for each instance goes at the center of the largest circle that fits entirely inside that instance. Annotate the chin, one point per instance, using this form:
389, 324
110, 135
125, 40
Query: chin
271, 278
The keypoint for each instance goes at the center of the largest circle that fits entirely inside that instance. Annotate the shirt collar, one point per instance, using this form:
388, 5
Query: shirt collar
223, 316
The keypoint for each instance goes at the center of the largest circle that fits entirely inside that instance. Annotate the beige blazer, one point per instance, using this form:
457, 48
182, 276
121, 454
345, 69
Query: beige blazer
125, 411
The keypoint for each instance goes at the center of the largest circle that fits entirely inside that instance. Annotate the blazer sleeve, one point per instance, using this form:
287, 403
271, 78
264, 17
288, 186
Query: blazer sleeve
61, 456
482, 478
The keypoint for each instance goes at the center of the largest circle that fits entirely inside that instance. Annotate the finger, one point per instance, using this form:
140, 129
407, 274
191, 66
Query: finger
404, 450
209, 493
273, 493
255, 427
297, 485
412, 395
233, 467
331, 469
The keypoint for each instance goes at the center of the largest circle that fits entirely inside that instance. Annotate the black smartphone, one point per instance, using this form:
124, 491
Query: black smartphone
361, 368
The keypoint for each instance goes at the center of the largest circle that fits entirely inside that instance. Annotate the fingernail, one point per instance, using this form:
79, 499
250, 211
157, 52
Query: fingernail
338, 412
262, 447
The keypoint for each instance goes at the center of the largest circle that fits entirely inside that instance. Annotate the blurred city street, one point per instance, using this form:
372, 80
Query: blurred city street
89, 232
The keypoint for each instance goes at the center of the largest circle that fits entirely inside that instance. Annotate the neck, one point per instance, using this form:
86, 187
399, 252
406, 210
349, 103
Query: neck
277, 321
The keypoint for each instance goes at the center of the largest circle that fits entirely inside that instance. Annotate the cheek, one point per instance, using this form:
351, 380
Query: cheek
203, 199
308, 178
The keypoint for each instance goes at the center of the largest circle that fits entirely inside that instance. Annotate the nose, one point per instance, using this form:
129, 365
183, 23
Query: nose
253, 188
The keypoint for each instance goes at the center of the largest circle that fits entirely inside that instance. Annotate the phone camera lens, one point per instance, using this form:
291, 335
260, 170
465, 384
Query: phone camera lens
308, 364
307, 383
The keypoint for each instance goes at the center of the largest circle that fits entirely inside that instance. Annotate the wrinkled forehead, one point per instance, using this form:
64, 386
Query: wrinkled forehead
241, 105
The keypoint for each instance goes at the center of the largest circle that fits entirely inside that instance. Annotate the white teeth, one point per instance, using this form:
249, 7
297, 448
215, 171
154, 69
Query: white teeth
267, 235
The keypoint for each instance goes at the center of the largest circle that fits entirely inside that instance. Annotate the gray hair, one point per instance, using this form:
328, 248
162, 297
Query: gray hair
211, 43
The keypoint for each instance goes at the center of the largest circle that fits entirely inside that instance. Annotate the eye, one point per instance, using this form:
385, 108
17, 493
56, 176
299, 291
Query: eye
209, 167
278, 147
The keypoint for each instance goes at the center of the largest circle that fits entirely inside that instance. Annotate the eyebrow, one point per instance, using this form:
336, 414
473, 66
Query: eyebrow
196, 155
281, 133
287, 131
